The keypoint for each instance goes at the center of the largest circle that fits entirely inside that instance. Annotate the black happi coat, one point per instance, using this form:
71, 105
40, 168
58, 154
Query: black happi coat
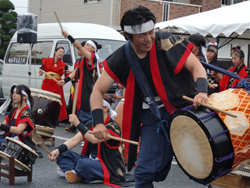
87, 75
171, 80
109, 155
24, 116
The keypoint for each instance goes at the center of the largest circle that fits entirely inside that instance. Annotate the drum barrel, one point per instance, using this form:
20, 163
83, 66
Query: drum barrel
198, 143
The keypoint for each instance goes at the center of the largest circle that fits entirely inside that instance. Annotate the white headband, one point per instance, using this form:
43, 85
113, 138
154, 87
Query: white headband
94, 46
112, 113
137, 29
27, 100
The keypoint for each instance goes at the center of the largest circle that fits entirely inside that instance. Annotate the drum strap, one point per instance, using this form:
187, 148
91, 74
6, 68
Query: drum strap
143, 83
141, 79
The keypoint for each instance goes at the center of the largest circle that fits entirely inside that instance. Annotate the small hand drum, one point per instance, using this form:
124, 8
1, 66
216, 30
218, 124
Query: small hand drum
24, 156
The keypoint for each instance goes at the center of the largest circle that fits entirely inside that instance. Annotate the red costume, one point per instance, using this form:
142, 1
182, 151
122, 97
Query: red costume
225, 80
52, 86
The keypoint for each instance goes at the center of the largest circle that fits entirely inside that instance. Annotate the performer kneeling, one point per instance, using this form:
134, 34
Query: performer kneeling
19, 122
98, 160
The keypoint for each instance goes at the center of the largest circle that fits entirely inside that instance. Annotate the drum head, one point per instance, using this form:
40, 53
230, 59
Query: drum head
18, 164
191, 147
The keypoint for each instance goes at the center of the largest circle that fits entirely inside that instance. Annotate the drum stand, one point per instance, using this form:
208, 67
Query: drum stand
13, 172
231, 181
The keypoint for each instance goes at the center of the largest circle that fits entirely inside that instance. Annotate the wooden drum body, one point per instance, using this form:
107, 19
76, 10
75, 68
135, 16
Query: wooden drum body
24, 156
46, 110
208, 145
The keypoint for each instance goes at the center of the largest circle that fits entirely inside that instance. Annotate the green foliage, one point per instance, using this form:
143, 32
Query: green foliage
14, 13
5, 44
6, 37
6, 5
8, 19
11, 26
2, 52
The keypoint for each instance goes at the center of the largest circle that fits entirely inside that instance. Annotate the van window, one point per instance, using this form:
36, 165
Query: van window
40, 51
108, 47
65, 45
18, 53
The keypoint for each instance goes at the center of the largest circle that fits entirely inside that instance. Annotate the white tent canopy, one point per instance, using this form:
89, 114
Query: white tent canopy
221, 21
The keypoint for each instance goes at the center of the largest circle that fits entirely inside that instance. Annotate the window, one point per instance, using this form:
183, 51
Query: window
19, 52
108, 47
165, 15
230, 2
92, 1
65, 45
67, 52
40, 51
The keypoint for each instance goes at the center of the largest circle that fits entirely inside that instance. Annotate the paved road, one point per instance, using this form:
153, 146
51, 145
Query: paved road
45, 176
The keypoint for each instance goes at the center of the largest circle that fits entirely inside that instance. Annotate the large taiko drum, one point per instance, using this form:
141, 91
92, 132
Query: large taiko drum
24, 156
207, 144
46, 111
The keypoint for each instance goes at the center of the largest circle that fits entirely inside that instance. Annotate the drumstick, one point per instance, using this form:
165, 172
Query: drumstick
210, 107
49, 75
58, 20
74, 100
119, 139
40, 139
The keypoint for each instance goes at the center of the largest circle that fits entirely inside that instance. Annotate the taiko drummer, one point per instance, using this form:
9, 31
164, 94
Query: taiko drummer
19, 122
165, 69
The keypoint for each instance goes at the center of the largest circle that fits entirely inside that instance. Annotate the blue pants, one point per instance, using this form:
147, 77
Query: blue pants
155, 153
84, 116
85, 167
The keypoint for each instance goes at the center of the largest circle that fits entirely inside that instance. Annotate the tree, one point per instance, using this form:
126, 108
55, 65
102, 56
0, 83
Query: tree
8, 19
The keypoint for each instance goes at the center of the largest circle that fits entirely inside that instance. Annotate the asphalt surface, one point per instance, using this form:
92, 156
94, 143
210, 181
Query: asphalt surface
45, 176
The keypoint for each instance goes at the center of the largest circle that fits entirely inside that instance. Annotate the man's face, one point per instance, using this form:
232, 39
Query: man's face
143, 42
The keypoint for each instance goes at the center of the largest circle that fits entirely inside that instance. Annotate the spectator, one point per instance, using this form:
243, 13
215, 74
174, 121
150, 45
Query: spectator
119, 94
239, 68
199, 49
213, 76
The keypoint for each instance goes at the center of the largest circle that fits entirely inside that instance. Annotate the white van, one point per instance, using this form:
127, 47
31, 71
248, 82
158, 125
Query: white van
49, 37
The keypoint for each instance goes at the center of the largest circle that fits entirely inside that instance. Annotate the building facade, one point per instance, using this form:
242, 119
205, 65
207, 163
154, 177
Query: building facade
109, 12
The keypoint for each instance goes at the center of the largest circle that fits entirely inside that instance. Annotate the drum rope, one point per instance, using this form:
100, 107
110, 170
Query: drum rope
245, 83
161, 125
219, 134
208, 115
231, 155
188, 107
222, 173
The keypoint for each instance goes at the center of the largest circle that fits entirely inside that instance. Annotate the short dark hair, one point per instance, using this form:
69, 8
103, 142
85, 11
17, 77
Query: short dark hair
197, 40
136, 16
